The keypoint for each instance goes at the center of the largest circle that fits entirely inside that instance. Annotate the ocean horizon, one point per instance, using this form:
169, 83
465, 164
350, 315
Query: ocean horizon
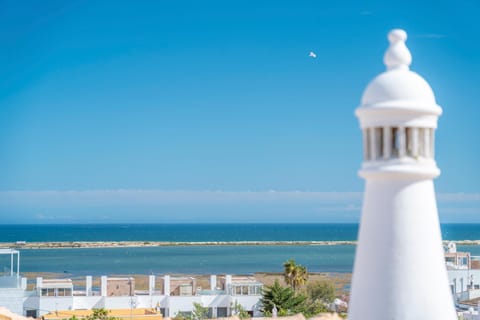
205, 232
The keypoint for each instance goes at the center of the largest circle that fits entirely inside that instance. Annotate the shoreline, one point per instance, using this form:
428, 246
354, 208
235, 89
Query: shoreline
140, 244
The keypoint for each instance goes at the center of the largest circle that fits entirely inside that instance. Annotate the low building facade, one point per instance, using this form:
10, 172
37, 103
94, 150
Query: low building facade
177, 295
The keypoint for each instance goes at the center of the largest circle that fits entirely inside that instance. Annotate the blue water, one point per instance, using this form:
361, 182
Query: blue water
197, 259
179, 232
205, 232
187, 260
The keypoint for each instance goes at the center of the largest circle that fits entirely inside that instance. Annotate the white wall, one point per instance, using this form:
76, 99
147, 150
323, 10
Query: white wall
173, 304
12, 299
55, 303
90, 302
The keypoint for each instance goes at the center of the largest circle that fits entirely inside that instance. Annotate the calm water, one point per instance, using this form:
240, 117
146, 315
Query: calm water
205, 232
196, 259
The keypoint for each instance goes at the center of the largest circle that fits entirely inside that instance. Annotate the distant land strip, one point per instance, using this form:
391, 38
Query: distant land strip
128, 244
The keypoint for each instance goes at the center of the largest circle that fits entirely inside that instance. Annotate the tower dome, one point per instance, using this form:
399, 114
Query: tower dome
399, 87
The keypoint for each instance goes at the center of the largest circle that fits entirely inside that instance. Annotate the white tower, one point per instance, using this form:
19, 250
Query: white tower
399, 270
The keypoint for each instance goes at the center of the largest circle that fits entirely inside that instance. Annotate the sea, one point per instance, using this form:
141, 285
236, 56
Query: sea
199, 259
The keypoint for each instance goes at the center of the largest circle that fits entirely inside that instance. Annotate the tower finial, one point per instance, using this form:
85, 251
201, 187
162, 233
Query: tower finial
397, 55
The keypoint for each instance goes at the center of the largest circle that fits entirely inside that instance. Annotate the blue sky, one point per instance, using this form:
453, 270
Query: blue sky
172, 111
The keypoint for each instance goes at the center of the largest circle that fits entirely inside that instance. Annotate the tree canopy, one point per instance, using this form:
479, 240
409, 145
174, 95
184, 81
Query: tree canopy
284, 298
295, 274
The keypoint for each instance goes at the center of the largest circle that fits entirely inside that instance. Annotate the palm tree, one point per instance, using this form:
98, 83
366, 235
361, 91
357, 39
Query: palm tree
300, 277
295, 275
289, 270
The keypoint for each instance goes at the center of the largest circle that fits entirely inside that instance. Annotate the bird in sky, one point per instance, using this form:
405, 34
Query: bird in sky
312, 55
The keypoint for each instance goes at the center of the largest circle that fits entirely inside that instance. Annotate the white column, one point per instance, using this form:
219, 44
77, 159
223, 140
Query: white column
151, 284
18, 264
426, 137
103, 287
387, 143
228, 283
402, 140
366, 150
166, 285
11, 264
88, 286
39, 284
213, 282
432, 145
415, 142
23, 283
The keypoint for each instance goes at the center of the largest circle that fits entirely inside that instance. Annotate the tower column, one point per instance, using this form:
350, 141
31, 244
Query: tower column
387, 143
399, 271
399, 258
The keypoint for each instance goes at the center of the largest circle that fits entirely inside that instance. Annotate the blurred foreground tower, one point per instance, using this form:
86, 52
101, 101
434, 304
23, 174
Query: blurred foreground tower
399, 270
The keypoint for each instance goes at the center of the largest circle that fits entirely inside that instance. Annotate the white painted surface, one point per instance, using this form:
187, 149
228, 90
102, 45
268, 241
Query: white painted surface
213, 282
103, 286
151, 284
166, 285
88, 285
12, 299
55, 304
399, 270
89, 302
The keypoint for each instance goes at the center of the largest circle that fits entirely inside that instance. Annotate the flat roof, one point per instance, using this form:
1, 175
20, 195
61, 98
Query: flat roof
56, 283
8, 251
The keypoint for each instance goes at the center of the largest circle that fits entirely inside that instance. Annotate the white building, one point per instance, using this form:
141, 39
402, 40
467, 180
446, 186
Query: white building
399, 271
175, 295
12, 286
464, 280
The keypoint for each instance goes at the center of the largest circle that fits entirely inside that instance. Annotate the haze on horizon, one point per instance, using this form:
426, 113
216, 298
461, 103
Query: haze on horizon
216, 111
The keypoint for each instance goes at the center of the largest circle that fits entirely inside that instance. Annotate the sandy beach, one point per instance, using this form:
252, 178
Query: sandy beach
132, 244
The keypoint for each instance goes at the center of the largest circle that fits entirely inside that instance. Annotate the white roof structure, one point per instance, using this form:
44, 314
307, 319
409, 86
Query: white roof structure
12, 252
56, 283
398, 88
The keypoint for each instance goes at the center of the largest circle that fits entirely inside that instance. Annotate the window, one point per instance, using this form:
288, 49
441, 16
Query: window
64, 292
255, 289
238, 290
31, 314
222, 312
186, 290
